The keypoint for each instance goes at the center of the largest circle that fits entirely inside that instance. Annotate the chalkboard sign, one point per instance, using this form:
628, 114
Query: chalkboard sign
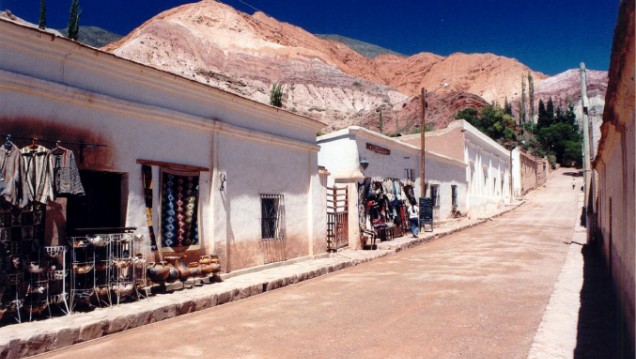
426, 212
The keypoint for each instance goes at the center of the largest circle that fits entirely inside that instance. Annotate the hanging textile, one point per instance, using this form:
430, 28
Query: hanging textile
35, 175
146, 177
23, 229
387, 188
10, 171
179, 207
66, 179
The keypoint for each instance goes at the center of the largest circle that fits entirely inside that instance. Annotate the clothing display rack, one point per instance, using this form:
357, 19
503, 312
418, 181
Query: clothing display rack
82, 145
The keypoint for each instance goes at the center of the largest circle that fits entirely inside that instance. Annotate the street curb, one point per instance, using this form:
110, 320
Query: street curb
32, 338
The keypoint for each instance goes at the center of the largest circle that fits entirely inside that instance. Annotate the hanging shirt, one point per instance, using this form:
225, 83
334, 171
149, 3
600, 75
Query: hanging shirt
66, 178
36, 175
10, 165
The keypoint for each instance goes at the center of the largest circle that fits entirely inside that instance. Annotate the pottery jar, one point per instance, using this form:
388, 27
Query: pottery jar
158, 272
173, 272
205, 259
177, 262
195, 269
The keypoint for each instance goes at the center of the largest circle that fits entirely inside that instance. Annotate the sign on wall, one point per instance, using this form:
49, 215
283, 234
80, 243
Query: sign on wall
378, 149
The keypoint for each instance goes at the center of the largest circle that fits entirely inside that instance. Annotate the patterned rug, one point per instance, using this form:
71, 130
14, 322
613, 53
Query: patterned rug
179, 207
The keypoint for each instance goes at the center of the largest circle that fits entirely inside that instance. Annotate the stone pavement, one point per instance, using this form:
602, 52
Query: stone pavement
31, 338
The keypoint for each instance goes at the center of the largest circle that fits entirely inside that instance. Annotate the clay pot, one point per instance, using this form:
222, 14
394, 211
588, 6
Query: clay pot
216, 268
195, 269
39, 287
174, 273
121, 264
184, 271
82, 268
97, 241
35, 267
206, 259
79, 243
102, 291
206, 269
122, 289
158, 272
139, 261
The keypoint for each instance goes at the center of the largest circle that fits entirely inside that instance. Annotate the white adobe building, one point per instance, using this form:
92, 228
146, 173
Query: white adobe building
487, 170
260, 196
345, 153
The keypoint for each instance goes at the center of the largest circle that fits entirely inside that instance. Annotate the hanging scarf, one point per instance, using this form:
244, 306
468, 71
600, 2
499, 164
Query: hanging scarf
146, 177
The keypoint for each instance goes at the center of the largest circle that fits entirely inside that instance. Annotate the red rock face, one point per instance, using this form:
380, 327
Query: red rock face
213, 43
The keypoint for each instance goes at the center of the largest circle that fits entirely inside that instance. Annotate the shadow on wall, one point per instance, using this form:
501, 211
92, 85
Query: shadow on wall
602, 330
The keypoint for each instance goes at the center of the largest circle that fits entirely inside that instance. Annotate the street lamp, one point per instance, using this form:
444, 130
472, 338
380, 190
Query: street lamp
423, 106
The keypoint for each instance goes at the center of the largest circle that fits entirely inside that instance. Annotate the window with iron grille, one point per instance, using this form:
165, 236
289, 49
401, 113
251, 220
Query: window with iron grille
272, 217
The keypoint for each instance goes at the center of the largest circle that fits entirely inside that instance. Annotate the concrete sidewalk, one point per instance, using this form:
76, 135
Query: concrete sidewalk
582, 319
31, 338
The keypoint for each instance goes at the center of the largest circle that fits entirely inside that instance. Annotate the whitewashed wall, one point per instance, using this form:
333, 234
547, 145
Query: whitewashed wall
52, 84
488, 172
341, 151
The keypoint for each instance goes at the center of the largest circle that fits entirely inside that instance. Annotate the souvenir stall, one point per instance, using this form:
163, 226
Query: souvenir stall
382, 207
33, 275
84, 268
42, 274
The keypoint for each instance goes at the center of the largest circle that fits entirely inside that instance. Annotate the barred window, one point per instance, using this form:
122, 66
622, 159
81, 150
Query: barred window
272, 217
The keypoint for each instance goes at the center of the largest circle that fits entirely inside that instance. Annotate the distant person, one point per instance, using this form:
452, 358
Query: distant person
573, 183
414, 219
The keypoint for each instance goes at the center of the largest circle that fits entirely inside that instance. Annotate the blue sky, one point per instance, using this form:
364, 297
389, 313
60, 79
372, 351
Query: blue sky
550, 36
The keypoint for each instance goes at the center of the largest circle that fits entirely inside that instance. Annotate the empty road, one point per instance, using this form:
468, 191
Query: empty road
479, 293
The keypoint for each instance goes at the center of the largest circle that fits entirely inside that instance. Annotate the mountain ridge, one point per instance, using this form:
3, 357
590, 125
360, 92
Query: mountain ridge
323, 78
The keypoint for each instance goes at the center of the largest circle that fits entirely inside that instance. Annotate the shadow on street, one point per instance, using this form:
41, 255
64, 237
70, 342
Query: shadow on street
602, 332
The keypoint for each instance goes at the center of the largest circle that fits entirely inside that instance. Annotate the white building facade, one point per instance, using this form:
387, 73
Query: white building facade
258, 198
487, 170
356, 157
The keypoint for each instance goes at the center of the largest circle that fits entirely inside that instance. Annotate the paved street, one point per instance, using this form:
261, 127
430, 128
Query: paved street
479, 293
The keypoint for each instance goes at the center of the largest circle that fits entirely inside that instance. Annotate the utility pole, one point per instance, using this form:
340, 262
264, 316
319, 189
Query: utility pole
422, 143
586, 140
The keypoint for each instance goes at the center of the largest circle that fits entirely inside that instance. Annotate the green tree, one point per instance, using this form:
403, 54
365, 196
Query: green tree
522, 102
531, 96
543, 119
468, 114
562, 138
276, 95
493, 121
73, 20
507, 107
42, 21
550, 108
380, 124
